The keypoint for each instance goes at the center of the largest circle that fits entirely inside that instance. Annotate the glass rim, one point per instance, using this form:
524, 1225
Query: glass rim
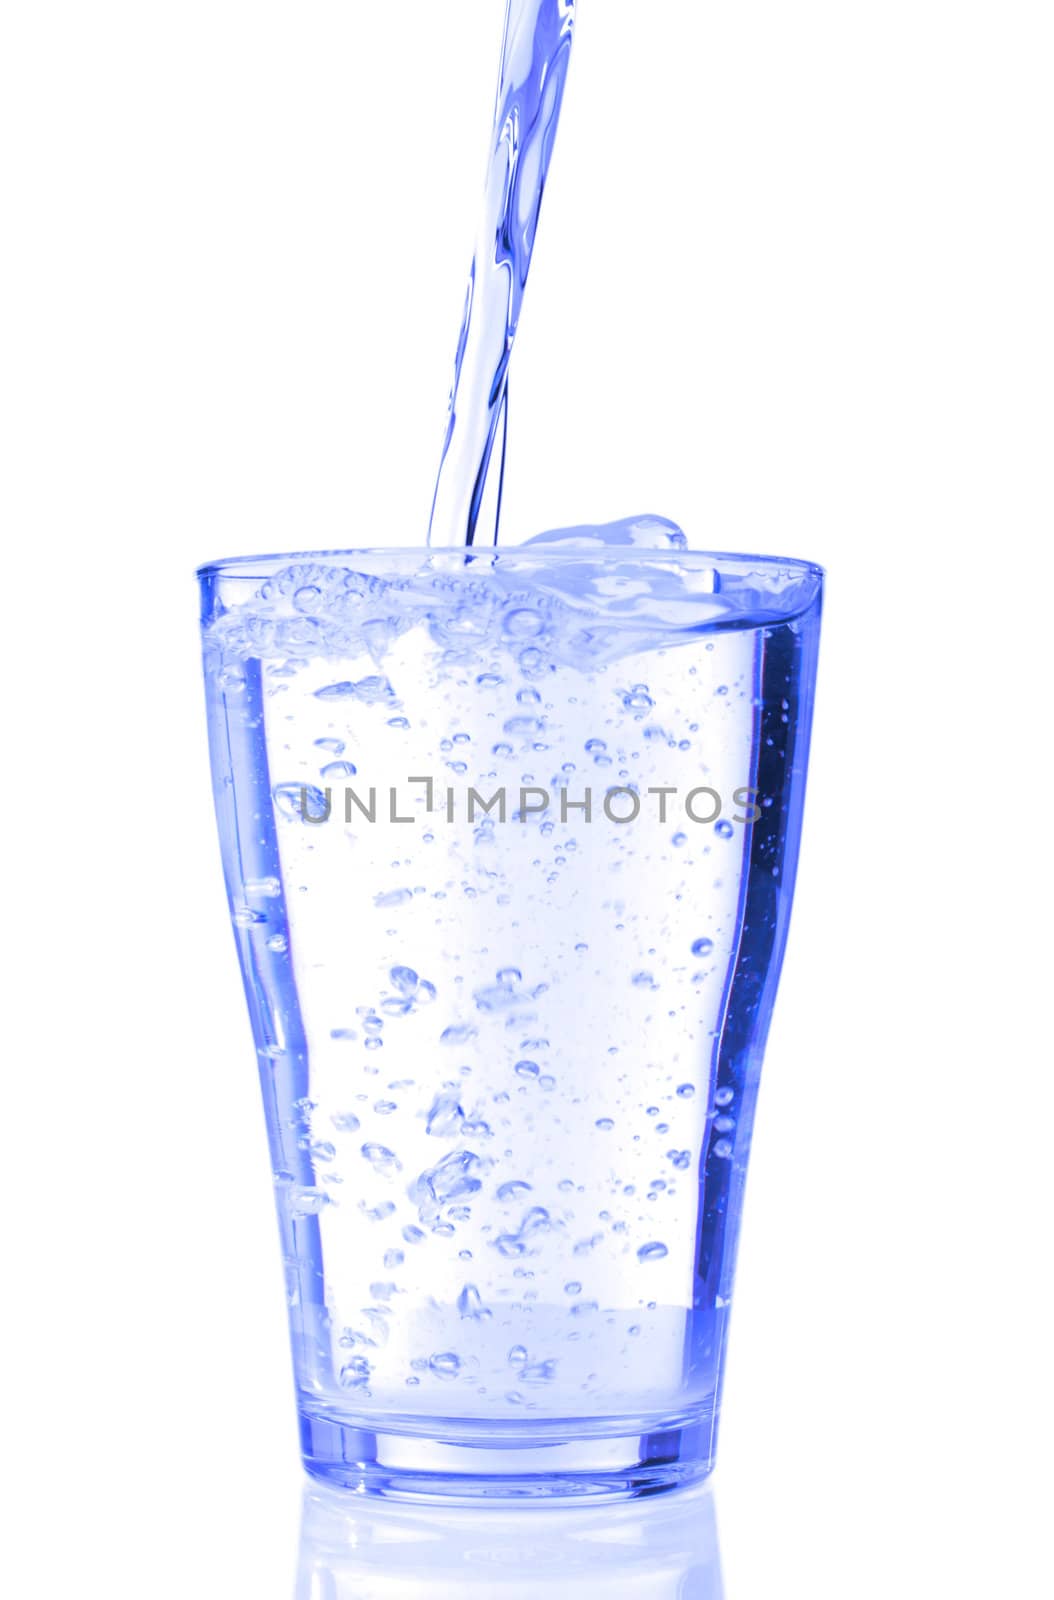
258, 568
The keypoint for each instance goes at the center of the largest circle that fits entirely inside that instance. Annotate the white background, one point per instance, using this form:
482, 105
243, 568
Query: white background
793, 289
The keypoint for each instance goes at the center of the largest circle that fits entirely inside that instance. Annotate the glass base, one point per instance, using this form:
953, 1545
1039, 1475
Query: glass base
405, 1466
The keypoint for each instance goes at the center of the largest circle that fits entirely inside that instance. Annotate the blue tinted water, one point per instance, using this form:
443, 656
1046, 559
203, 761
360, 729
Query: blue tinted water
535, 52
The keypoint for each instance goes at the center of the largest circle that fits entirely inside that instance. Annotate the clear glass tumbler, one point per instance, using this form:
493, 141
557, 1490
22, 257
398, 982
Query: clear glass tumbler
510, 841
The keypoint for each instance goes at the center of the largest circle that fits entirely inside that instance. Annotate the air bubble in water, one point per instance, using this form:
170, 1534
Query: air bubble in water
370, 691
446, 1365
297, 801
723, 829
306, 1201
355, 1374
703, 947
523, 623
652, 1252
243, 917
523, 727
638, 699
538, 1372
393, 1007
381, 1158
445, 1116
470, 1304
451, 1179
513, 1245
459, 1033
265, 888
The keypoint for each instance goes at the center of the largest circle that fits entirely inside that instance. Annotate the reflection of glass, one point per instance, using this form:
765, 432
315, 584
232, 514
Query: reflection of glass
663, 1548
510, 846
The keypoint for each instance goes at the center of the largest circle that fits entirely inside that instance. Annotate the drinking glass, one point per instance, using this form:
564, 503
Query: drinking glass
509, 839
